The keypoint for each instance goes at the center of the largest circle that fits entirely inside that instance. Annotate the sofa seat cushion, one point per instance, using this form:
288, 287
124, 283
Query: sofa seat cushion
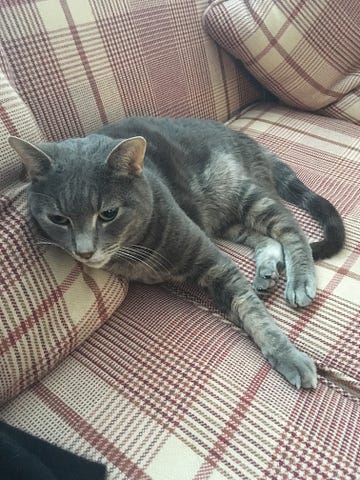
48, 303
306, 53
168, 390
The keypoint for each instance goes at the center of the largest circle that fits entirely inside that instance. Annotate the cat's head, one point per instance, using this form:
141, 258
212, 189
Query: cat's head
88, 195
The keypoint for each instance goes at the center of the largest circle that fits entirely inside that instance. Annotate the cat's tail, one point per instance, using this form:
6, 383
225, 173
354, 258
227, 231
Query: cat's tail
291, 189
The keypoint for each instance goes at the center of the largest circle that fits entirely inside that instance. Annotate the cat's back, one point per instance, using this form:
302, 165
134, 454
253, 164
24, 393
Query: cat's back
192, 139
182, 129
189, 154
194, 158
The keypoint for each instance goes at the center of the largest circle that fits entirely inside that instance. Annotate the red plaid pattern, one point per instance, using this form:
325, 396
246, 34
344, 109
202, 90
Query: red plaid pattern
82, 64
48, 303
168, 389
306, 53
15, 119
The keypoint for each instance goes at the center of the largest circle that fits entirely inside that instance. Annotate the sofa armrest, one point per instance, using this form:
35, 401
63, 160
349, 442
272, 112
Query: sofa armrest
48, 303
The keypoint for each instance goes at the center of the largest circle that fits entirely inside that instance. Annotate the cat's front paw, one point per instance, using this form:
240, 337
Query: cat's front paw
297, 367
301, 290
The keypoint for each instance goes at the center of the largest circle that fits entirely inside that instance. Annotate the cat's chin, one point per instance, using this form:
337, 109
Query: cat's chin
96, 265
93, 264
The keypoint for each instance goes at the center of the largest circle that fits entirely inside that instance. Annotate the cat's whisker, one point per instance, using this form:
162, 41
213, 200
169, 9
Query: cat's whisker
154, 252
52, 244
157, 262
141, 255
154, 255
135, 255
128, 257
138, 255
111, 250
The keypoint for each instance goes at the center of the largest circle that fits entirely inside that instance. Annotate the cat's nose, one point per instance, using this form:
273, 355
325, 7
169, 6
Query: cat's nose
85, 255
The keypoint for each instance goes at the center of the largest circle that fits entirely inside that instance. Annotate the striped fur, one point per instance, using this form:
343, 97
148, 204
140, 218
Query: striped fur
200, 181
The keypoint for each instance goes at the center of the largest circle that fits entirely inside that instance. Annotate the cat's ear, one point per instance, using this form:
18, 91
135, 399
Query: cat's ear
37, 163
127, 158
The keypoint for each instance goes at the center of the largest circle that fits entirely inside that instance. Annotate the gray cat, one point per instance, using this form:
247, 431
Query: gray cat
143, 198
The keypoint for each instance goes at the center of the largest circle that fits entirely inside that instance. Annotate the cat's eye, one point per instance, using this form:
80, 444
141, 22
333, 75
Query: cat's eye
59, 219
108, 215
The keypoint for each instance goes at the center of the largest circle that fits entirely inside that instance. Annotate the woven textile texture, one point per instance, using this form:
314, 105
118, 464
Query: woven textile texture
306, 53
48, 303
168, 389
80, 65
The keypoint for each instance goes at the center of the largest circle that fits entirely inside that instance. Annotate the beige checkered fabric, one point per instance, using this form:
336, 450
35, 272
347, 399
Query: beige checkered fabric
306, 53
168, 389
81, 64
48, 303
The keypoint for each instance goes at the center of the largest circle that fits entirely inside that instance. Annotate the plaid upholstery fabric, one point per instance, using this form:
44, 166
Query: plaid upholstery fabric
347, 108
79, 65
168, 389
165, 390
48, 303
306, 53
15, 119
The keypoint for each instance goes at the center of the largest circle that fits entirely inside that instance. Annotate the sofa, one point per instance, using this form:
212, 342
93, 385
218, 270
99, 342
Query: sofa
153, 381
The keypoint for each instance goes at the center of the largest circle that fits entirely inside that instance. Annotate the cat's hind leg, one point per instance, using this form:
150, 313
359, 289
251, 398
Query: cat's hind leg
269, 258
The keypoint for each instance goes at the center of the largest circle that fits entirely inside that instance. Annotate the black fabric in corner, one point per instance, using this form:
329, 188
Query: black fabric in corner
25, 457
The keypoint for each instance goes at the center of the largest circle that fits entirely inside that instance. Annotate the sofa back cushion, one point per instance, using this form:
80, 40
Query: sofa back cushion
80, 65
49, 304
306, 53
